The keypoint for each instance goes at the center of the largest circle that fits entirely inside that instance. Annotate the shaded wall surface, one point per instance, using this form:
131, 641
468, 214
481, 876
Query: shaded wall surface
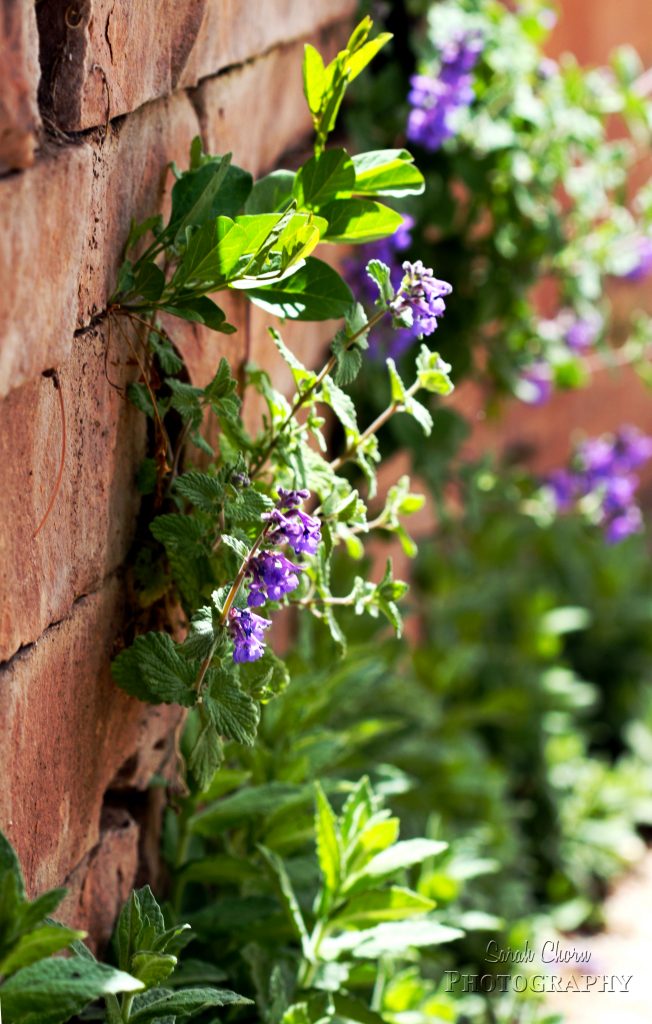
96, 100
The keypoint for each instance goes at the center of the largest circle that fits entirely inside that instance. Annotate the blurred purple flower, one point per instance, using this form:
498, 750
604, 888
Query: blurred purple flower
434, 101
535, 384
643, 265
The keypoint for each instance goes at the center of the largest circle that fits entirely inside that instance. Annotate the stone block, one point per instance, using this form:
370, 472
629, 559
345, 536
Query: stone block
113, 56
68, 732
44, 212
92, 522
19, 77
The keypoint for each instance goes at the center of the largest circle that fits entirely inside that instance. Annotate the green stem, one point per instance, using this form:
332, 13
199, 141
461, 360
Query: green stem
303, 396
373, 428
125, 1006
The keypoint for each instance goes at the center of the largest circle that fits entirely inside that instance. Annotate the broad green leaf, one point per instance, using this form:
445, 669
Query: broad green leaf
314, 78
185, 1003
200, 310
387, 172
152, 670
290, 904
149, 282
358, 220
358, 61
328, 842
323, 176
54, 990
393, 904
194, 195
315, 292
9, 864
38, 944
271, 192
247, 803
349, 1008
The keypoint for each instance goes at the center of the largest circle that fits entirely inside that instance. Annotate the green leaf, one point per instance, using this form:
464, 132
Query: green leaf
9, 864
232, 711
203, 194
322, 177
329, 851
315, 292
391, 939
54, 990
432, 372
314, 78
202, 490
200, 310
206, 754
286, 892
397, 386
149, 282
271, 192
393, 904
185, 1003
242, 805
387, 172
355, 221
152, 968
38, 944
403, 855
381, 274
349, 1008
365, 54
152, 670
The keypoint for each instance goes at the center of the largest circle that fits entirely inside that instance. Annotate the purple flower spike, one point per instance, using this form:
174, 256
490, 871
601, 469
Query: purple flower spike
420, 299
581, 334
624, 525
273, 575
247, 632
632, 448
291, 499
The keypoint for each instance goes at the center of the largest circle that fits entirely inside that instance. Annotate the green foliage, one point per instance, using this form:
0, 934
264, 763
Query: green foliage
38, 988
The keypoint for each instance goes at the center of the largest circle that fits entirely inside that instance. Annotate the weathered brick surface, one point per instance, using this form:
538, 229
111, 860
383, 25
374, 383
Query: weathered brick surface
19, 77
112, 56
92, 522
130, 180
67, 732
44, 213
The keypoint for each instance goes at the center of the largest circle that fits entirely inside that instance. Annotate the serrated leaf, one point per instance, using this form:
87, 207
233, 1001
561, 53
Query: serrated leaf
152, 670
327, 838
398, 388
202, 490
152, 968
380, 274
54, 990
233, 712
206, 754
38, 944
239, 547
286, 892
392, 904
185, 1003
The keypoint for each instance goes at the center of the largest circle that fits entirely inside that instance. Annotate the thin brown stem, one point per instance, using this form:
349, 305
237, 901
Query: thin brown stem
373, 428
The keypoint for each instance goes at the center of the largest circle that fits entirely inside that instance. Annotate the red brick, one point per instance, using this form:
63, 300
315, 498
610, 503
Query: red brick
44, 212
19, 77
68, 731
119, 54
130, 180
93, 519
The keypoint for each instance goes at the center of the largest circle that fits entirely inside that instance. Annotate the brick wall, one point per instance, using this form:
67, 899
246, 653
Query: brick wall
87, 130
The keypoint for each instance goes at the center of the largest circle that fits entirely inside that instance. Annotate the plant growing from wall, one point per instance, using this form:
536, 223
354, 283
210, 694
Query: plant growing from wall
236, 536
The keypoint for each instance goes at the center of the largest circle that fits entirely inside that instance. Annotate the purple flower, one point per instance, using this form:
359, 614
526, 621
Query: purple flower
420, 299
292, 526
581, 333
602, 471
247, 632
435, 101
272, 576
535, 385
624, 525
643, 264
291, 499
